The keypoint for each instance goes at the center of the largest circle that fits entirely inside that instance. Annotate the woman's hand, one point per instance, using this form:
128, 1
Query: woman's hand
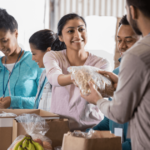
94, 96
5, 102
73, 81
113, 77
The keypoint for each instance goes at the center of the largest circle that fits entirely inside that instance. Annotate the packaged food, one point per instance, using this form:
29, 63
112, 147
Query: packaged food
83, 74
5, 114
36, 128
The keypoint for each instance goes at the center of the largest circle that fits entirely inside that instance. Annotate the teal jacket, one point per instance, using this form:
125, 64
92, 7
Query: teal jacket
107, 124
23, 82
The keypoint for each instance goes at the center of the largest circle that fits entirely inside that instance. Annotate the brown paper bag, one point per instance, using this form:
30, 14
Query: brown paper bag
100, 140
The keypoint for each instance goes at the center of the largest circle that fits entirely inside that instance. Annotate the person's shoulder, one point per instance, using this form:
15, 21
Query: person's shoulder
98, 62
55, 55
116, 70
27, 60
97, 58
141, 51
141, 47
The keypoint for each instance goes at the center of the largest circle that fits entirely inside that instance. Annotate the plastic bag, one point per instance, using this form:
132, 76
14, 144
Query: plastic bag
36, 128
83, 134
58, 148
83, 74
4, 114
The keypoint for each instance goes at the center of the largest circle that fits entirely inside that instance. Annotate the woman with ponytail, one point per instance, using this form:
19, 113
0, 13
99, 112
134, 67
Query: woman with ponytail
66, 99
40, 43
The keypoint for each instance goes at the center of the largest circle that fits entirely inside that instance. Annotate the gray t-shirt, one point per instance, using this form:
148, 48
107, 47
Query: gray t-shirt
131, 101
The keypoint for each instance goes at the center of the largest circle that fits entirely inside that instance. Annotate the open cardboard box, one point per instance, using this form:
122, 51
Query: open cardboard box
6, 123
100, 140
58, 127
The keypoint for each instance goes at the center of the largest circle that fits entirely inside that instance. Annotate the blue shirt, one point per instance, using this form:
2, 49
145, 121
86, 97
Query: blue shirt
23, 82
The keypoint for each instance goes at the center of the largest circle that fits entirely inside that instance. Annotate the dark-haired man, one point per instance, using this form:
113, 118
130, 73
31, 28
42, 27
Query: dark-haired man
131, 100
126, 38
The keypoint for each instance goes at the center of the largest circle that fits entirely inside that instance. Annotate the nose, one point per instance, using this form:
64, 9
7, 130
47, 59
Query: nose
77, 34
122, 46
1, 46
33, 58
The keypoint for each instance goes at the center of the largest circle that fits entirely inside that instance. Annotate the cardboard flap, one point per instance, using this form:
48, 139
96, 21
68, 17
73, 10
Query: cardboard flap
102, 134
47, 114
20, 111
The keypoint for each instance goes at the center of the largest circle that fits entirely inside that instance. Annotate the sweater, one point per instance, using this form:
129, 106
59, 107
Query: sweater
23, 82
66, 100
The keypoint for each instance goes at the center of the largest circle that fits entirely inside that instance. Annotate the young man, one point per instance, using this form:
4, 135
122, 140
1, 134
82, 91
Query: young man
126, 38
131, 100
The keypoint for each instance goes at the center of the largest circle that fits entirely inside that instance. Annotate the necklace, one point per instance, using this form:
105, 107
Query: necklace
4, 89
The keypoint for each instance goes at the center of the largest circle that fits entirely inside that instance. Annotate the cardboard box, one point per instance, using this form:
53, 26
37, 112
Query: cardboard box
6, 123
58, 127
101, 140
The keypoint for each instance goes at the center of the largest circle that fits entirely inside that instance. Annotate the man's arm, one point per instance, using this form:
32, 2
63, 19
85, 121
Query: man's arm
129, 90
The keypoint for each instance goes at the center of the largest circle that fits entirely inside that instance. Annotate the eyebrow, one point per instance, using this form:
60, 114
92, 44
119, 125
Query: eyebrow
2, 39
126, 37
74, 27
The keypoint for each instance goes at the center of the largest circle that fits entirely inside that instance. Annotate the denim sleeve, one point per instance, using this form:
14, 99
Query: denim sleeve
103, 125
19, 102
126, 145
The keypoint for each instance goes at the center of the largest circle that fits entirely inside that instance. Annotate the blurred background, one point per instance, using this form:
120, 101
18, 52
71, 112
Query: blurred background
102, 17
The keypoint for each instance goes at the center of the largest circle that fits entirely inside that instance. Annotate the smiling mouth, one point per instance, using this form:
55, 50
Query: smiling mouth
77, 41
5, 51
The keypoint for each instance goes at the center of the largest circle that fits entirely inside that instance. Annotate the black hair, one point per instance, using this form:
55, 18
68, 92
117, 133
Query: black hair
43, 39
7, 22
124, 21
142, 5
58, 44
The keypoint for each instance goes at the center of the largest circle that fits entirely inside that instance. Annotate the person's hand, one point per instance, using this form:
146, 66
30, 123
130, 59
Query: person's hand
5, 102
1, 98
113, 77
94, 96
73, 81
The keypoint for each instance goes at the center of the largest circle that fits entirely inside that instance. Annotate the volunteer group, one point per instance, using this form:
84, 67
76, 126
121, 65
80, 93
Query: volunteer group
39, 79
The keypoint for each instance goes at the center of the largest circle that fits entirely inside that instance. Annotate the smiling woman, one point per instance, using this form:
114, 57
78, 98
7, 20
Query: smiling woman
19, 75
40, 43
66, 99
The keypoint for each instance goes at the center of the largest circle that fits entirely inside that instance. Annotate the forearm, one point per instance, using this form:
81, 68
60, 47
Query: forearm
22, 102
64, 80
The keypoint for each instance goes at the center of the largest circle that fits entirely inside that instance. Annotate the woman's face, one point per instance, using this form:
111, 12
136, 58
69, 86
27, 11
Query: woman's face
74, 34
37, 55
8, 42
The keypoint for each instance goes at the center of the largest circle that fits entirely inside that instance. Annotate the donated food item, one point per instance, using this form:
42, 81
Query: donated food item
27, 144
47, 145
82, 75
36, 128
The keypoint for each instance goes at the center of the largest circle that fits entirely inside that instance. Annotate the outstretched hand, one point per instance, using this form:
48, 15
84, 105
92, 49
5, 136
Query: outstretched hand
113, 77
94, 96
